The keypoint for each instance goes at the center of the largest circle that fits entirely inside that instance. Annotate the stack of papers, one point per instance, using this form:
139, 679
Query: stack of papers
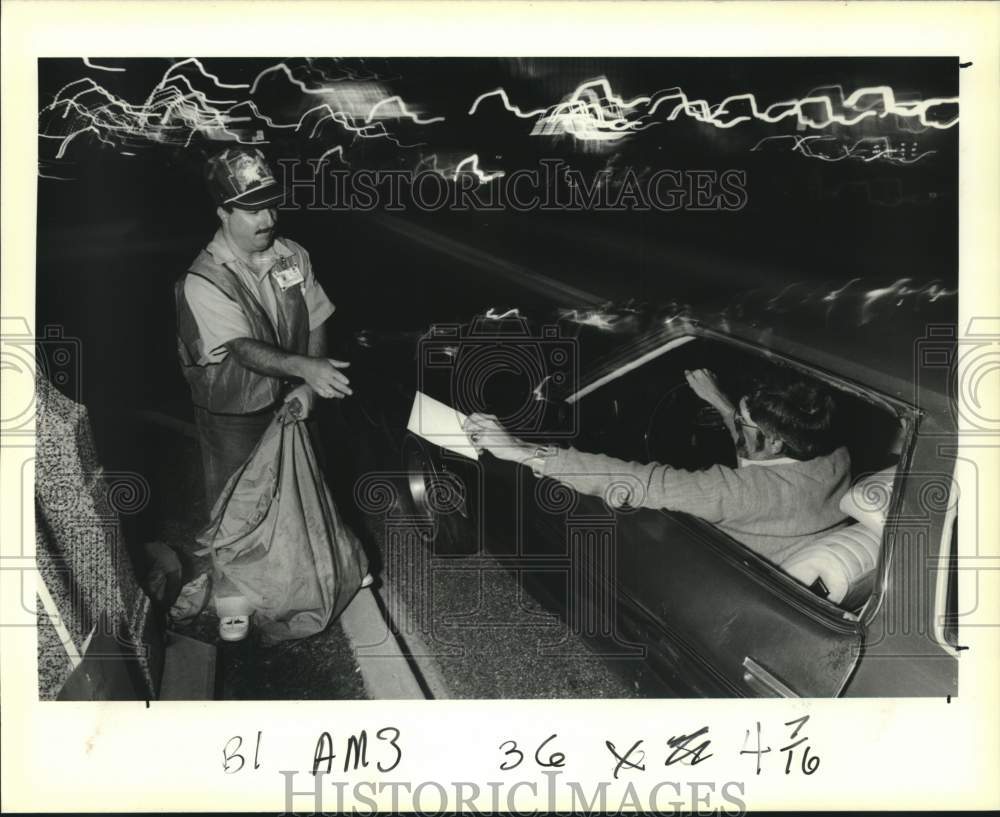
440, 424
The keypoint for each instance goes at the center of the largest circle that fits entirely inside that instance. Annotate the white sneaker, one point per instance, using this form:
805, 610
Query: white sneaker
234, 617
234, 628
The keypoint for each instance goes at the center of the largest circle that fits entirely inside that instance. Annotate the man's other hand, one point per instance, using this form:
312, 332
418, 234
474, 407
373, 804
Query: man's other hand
306, 398
703, 383
324, 376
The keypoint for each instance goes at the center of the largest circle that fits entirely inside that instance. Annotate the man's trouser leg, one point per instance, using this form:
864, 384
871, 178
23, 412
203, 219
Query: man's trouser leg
226, 442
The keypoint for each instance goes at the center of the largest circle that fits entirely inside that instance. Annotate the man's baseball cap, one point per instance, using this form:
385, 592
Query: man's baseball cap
240, 177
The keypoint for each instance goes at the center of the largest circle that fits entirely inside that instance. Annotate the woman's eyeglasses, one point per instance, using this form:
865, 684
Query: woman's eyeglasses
741, 423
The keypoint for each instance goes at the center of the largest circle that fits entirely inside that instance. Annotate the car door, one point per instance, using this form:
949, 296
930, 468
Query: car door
727, 614
711, 617
716, 618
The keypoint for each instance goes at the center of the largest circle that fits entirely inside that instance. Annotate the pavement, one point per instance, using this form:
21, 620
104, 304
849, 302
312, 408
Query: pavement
322, 667
430, 627
476, 623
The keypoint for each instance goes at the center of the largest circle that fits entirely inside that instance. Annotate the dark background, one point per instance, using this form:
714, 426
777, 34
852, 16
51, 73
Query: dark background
115, 230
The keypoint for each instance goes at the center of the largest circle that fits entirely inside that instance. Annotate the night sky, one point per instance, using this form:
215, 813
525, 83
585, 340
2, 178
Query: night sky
122, 209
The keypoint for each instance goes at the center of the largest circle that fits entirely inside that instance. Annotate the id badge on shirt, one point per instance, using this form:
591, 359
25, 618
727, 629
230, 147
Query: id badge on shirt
287, 273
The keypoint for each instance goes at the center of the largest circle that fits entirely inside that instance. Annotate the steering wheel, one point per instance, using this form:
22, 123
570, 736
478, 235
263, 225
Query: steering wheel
685, 432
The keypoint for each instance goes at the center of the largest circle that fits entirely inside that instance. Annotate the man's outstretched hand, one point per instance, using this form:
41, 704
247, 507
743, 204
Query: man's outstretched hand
324, 376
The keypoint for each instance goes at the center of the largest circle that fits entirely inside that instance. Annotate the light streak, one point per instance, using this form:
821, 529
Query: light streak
91, 87
201, 69
450, 172
590, 317
430, 163
260, 115
348, 72
375, 130
473, 162
348, 75
165, 88
593, 112
700, 109
799, 141
866, 149
898, 292
175, 111
537, 391
74, 134
850, 300
500, 92
337, 150
331, 113
356, 99
283, 68
89, 64
834, 294
586, 89
403, 111
510, 313
169, 114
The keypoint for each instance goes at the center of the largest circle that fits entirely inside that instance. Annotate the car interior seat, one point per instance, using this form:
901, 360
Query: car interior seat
843, 562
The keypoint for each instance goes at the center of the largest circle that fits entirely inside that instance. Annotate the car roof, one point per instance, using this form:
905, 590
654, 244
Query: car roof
896, 338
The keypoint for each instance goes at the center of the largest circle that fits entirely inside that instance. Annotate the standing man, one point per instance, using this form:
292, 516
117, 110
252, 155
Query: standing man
250, 320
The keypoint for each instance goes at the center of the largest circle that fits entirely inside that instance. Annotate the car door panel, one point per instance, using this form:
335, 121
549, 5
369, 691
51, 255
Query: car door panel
753, 626
716, 618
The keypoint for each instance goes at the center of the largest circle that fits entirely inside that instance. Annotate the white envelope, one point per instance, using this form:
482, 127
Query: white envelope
440, 424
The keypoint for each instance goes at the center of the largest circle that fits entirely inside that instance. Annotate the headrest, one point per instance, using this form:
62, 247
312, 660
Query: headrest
868, 499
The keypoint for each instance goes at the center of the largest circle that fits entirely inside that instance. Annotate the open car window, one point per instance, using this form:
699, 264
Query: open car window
650, 414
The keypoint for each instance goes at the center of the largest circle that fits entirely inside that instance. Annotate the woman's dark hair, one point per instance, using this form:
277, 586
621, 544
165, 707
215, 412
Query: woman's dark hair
797, 412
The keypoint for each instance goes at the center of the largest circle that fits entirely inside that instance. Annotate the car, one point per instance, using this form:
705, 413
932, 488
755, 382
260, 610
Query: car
870, 610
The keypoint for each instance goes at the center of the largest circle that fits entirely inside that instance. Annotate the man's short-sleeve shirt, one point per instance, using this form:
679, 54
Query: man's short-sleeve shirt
220, 320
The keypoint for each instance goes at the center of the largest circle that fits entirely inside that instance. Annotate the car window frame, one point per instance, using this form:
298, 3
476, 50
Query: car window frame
944, 568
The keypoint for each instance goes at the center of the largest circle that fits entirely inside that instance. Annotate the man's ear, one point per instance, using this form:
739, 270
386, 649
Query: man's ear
775, 445
221, 212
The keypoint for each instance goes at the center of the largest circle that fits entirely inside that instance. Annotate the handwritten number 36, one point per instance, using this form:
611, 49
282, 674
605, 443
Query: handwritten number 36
555, 760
